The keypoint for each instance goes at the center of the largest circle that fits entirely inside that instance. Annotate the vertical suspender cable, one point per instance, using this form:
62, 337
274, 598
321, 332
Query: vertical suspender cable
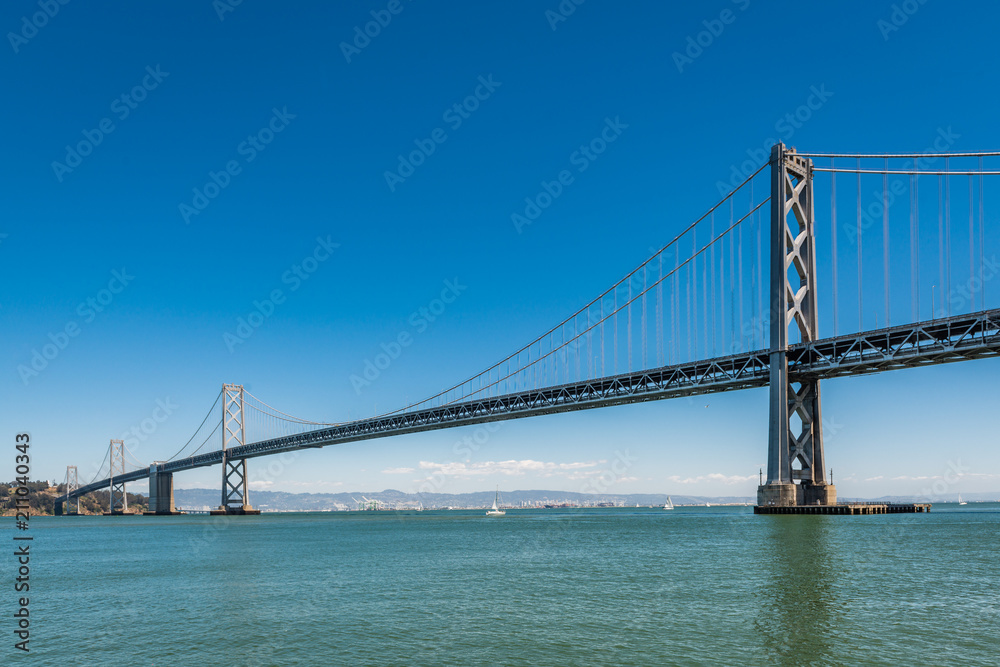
628, 322
885, 237
914, 304
732, 298
982, 238
972, 247
659, 316
833, 238
916, 240
947, 236
704, 292
940, 242
760, 287
860, 297
712, 269
691, 280
644, 282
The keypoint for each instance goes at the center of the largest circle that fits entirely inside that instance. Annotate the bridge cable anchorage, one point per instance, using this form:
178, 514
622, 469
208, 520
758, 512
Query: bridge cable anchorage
539, 339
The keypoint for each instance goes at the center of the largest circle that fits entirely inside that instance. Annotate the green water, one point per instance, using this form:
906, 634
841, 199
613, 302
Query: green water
574, 587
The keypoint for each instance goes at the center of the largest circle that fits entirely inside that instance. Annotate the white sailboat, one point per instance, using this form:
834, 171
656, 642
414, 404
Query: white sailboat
495, 510
960, 501
669, 505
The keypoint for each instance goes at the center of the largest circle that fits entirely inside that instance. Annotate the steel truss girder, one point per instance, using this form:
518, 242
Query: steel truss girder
941, 341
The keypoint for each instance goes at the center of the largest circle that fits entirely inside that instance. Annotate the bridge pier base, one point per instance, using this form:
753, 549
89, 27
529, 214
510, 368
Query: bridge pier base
161, 491
58, 509
244, 510
777, 494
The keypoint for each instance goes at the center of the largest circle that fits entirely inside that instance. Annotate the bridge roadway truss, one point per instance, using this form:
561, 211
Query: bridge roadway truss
961, 338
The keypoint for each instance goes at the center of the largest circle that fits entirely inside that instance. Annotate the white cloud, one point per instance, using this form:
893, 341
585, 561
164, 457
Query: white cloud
574, 470
712, 477
397, 471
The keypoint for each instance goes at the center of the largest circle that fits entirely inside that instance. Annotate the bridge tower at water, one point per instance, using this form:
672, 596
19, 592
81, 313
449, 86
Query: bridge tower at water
795, 468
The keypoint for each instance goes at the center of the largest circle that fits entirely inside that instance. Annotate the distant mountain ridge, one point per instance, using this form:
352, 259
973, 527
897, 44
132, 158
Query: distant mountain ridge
285, 501
281, 500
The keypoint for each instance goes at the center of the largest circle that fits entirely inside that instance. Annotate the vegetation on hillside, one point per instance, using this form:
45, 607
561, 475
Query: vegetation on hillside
41, 499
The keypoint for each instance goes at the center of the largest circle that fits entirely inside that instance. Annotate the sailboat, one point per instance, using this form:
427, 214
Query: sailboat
960, 501
669, 505
495, 510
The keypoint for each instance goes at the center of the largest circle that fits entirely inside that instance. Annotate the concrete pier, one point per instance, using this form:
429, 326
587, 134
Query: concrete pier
161, 491
845, 508
246, 509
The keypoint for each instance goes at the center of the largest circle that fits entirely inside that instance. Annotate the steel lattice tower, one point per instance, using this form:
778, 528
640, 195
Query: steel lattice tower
235, 498
795, 440
72, 484
118, 502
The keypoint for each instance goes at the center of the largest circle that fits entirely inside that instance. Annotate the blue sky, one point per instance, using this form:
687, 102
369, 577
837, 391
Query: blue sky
236, 150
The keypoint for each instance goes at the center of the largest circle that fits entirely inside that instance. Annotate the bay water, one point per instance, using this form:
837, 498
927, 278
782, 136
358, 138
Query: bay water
609, 586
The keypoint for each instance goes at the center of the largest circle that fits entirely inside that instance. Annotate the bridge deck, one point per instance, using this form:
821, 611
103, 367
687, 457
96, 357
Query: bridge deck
905, 346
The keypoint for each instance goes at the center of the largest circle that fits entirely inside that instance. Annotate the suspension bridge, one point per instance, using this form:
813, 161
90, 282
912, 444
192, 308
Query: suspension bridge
698, 317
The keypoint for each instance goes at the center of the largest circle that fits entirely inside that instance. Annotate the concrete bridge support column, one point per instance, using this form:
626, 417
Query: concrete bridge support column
795, 439
161, 491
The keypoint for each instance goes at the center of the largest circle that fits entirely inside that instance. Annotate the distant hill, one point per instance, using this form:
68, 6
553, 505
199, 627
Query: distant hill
41, 499
283, 501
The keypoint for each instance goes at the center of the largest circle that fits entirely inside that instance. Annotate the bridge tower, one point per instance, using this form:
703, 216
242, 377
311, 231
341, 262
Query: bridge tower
235, 498
72, 484
795, 439
118, 502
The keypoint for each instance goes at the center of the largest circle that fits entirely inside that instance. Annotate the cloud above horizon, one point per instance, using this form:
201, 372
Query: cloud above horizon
461, 470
